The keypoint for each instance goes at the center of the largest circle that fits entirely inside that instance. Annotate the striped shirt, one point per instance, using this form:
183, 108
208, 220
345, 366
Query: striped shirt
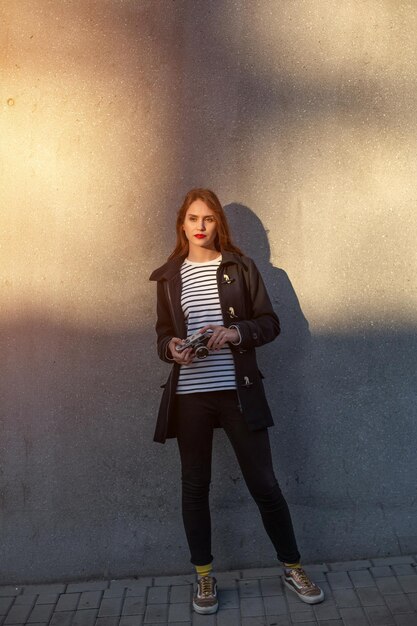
201, 306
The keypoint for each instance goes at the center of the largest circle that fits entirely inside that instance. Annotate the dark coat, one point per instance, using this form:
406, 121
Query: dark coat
245, 303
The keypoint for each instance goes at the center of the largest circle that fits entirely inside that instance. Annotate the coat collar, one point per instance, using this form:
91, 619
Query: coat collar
172, 267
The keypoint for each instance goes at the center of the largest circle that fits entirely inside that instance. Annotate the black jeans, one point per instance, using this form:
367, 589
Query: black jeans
195, 414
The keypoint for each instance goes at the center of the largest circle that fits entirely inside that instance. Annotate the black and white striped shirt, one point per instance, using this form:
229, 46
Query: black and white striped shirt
201, 306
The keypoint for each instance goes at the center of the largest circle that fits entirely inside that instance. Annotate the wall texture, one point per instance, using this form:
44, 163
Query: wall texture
302, 117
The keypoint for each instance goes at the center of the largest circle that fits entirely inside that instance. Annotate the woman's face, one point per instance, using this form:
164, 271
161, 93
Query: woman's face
200, 225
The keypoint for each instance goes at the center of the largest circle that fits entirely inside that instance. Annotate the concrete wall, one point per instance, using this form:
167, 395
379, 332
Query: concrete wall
302, 117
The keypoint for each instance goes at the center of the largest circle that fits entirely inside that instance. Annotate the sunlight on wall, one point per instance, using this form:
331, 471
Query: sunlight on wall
304, 112
78, 158
332, 154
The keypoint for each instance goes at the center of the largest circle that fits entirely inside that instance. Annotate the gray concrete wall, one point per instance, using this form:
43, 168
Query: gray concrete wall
302, 117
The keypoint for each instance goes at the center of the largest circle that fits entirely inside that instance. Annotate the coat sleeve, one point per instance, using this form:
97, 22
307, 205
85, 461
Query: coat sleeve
164, 328
263, 323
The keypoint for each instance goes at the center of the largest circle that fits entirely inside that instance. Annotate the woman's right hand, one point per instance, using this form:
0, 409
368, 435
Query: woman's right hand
182, 358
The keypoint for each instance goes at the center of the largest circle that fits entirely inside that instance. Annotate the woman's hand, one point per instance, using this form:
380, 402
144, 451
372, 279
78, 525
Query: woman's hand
220, 336
182, 358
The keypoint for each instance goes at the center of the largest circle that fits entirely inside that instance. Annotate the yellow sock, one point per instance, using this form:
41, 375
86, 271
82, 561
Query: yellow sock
203, 570
292, 565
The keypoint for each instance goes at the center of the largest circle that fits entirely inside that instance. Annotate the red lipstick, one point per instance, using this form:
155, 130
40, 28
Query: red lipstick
200, 236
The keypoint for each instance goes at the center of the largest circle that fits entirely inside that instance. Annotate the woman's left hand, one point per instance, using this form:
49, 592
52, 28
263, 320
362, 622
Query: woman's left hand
220, 336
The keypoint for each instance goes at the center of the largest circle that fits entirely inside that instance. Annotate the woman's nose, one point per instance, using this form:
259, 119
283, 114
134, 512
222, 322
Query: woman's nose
202, 225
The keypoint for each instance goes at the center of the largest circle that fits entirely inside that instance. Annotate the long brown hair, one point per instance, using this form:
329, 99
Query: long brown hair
223, 239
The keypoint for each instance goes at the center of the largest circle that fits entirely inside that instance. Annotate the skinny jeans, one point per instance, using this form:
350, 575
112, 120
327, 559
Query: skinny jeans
196, 414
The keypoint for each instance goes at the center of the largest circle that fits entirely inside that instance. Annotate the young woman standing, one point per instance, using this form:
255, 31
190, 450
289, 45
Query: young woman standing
207, 284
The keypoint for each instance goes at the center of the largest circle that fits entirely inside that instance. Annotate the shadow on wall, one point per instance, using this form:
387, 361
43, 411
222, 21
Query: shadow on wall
77, 417
345, 416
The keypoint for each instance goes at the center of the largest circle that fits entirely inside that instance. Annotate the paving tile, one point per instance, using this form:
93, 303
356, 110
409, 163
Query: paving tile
165, 581
316, 567
413, 599
64, 618
388, 585
275, 605
137, 620
328, 591
271, 587
110, 607
92, 585
404, 570
354, 617
27, 598
41, 613
381, 571
179, 612
261, 572
361, 578
228, 598
108, 620
298, 617
326, 611
156, 614
370, 596
135, 591
255, 621
345, 566
278, 620
90, 600
408, 583
399, 603
181, 593
203, 620
86, 617
330, 622
18, 614
157, 595
227, 580
405, 620
339, 580
67, 602
345, 598
229, 617
379, 616
249, 588
393, 560
317, 576
134, 606
5, 604
251, 607
47, 598
10, 590
52, 588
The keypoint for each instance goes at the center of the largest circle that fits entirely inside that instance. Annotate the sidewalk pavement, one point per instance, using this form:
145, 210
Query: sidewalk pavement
376, 592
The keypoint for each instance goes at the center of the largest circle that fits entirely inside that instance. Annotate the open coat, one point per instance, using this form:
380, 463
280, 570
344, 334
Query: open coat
245, 303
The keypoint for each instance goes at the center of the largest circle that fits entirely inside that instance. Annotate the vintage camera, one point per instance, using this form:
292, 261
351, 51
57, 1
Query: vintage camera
198, 342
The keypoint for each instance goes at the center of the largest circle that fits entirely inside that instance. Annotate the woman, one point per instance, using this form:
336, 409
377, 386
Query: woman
209, 286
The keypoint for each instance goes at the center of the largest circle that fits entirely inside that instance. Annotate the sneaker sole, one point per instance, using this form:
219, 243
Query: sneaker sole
306, 599
205, 610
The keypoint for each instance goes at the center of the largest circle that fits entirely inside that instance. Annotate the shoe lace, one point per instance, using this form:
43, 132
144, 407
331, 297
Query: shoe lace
206, 586
302, 577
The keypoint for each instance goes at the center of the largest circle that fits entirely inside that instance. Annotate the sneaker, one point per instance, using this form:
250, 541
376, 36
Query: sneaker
297, 580
205, 597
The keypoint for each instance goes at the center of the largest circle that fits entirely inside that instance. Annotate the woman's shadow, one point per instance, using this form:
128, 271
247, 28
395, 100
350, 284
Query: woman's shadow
283, 362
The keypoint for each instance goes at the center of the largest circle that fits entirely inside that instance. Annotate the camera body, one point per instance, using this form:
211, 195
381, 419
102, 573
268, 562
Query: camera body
198, 343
